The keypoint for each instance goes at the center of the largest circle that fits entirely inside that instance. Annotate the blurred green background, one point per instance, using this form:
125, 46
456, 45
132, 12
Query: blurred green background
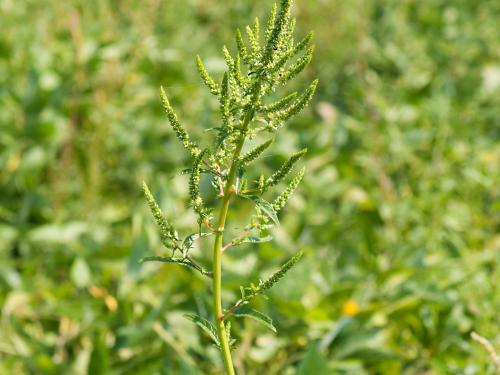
399, 213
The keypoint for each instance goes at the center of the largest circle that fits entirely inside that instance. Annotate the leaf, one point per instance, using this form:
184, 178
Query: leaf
176, 260
181, 261
253, 239
80, 273
256, 315
205, 325
228, 332
365, 344
58, 233
99, 359
334, 332
189, 240
139, 249
265, 206
313, 363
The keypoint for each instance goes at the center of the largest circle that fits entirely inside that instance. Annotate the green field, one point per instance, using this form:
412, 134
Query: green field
398, 214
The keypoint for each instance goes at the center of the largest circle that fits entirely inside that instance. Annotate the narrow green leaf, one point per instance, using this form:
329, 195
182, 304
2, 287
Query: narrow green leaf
187, 244
186, 262
162, 259
256, 315
264, 206
231, 340
205, 325
253, 239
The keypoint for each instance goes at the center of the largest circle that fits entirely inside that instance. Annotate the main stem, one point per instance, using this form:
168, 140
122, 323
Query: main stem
217, 259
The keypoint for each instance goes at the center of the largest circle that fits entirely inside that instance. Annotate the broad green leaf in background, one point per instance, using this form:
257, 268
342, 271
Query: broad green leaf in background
80, 273
313, 363
99, 359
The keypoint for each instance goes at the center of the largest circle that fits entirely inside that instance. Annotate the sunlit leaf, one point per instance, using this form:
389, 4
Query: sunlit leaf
313, 363
205, 325
80, 273
189, 240
256, 315
253, 239
265, 206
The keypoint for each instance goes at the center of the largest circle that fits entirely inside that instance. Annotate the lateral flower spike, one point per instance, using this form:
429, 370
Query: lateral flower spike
253, 37
293, 52
298, 105
168, 235
270, 23
298, 66
228, 58
255, 153
242, 49
209, 81
224, 104
237, 71
275, 277
280, 104
279, 27
194, 188
282, 199
282, 172
248, 293
181, 134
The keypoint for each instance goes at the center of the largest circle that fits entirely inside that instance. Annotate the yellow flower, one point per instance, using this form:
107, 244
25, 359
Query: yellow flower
350, 308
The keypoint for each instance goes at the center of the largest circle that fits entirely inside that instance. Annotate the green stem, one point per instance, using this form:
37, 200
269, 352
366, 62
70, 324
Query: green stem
217, 259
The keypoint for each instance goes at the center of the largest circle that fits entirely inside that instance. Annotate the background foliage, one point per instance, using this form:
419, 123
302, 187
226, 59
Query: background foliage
399, 213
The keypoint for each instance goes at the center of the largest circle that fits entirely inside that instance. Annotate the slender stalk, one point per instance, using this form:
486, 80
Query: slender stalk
217, 256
